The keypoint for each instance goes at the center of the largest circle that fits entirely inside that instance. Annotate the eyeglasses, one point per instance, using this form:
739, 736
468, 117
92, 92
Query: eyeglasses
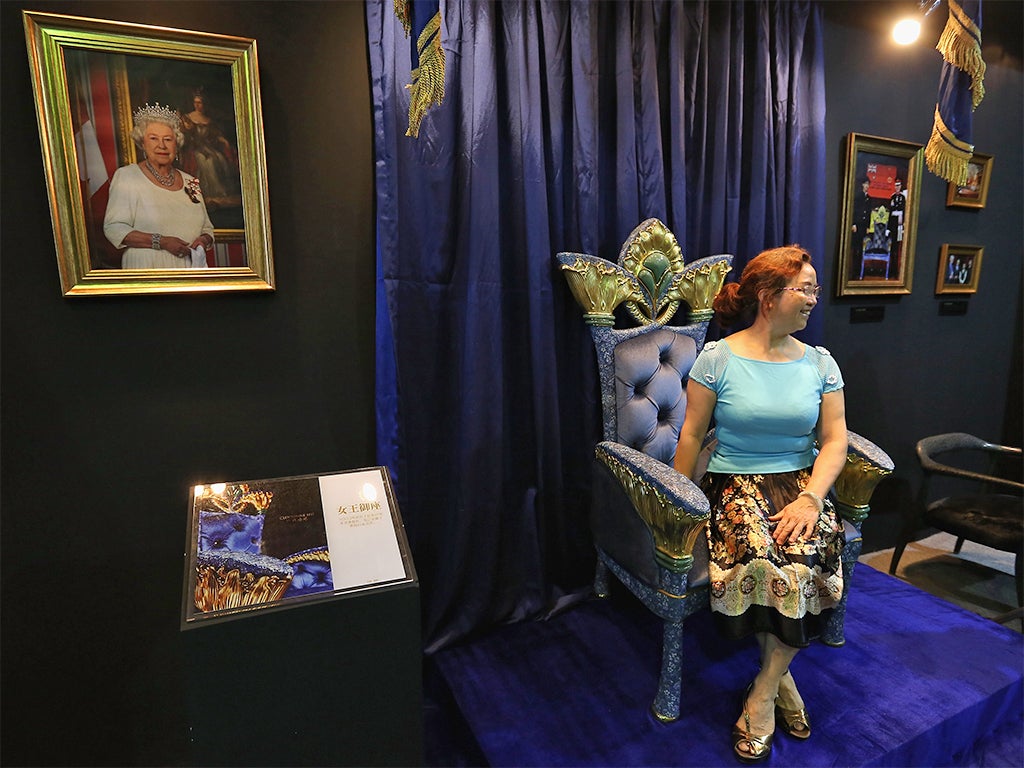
807, 290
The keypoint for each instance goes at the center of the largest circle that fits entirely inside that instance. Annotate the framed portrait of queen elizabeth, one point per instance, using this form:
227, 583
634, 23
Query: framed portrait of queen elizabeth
152, 146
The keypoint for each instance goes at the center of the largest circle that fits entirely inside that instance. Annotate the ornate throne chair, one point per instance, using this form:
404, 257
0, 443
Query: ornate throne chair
647, 520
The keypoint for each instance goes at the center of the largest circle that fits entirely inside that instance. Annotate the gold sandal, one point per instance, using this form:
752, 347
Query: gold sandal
760, 746
793, 721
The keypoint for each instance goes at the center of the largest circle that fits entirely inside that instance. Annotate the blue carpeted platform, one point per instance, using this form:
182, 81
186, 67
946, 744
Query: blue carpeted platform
920, 682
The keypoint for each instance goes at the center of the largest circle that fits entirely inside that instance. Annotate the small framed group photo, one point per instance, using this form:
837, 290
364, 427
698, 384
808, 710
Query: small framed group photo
974, 192
152, 144
959, 269
878, 229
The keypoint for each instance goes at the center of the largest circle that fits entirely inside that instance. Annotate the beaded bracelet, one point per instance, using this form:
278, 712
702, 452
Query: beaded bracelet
156, 242
815, 498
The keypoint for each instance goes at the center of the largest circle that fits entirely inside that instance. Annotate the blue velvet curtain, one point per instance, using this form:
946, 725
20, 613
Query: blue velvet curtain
564, 125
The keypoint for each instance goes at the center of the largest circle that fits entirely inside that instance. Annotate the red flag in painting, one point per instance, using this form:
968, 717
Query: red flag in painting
881, 180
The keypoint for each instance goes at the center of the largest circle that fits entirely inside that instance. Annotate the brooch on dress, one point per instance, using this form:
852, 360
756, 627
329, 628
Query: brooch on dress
192, 190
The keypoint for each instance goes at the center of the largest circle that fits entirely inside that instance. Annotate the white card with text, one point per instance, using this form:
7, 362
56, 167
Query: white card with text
360, 532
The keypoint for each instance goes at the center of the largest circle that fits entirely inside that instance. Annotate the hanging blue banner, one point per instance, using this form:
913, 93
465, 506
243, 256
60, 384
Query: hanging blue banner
422, 22
961, 89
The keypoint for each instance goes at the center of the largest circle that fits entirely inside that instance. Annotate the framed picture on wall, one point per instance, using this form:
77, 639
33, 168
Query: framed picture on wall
152, 144
974, 193
878, 225
959, 269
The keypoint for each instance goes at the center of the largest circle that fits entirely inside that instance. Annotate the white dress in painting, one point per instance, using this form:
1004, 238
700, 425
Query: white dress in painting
138, 204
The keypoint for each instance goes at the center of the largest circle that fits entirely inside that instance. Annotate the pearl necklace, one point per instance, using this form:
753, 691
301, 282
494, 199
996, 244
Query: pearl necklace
167, 181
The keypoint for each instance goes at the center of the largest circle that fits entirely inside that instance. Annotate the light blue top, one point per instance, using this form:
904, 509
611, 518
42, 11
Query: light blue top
766, 412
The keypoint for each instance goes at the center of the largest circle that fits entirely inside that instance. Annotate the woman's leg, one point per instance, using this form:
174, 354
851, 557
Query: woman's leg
760, 706
789, 696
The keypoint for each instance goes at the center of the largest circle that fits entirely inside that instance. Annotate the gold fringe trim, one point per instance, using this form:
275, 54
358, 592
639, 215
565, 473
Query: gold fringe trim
960, 45
946, 155
427, 87
403, 10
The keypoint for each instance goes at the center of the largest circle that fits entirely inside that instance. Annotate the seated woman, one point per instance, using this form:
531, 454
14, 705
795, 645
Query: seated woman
774, 539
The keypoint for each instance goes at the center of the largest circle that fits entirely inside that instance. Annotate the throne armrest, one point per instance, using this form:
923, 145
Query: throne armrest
670, 505
866, 465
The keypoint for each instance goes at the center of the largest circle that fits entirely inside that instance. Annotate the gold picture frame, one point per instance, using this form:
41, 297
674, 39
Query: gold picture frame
973, 194
959, 269
88, 76
878, 225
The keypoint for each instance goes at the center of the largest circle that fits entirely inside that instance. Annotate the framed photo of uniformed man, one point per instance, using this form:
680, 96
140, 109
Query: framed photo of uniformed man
878, 225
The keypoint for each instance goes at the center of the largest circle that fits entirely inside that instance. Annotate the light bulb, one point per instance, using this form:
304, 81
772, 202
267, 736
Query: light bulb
907, 31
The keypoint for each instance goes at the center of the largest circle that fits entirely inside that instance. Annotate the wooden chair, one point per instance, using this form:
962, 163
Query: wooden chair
992, 516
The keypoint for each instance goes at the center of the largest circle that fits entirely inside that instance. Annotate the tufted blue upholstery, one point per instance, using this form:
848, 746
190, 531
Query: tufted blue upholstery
650, 390
643, 391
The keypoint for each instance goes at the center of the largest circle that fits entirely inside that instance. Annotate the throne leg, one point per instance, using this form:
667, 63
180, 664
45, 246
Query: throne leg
666, 703
833, 633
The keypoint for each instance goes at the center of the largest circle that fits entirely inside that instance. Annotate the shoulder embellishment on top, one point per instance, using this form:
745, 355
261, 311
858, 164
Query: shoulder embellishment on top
711, 345
823, 351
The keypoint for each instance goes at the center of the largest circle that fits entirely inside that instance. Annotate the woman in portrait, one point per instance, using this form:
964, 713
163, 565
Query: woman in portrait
157, 212
209, 155
774, 540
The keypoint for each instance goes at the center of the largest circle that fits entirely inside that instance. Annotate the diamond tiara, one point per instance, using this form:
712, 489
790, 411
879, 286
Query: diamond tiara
151, 112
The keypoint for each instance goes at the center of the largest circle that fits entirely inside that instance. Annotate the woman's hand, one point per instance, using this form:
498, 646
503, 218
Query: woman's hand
800, 516
174, 245
796, 520
204, 240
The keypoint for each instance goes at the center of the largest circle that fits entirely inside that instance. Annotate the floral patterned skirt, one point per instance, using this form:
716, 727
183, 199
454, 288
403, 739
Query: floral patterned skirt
757, 585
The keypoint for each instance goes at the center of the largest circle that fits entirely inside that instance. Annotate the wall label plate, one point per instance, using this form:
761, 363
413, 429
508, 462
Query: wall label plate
867, 314
953, 307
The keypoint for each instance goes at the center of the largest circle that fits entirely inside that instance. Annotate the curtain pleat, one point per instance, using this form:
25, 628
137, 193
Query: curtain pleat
563, 126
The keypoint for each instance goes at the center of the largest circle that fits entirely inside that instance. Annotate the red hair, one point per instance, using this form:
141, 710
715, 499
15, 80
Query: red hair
768, 272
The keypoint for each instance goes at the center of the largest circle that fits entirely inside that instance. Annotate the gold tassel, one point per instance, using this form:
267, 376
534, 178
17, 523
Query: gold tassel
427, 87
946, 156
959, 45
403, 9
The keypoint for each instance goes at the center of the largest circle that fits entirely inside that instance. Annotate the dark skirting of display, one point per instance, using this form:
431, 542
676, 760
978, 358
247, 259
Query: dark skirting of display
333, 682
919, 682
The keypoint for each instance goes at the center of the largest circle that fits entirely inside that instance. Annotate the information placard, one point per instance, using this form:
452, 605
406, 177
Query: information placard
260, 544
360, 535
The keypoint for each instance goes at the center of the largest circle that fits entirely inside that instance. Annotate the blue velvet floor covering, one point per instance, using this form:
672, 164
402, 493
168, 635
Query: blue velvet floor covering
920, 682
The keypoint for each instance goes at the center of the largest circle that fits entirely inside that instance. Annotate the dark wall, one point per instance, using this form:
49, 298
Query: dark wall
917, 373
113, 407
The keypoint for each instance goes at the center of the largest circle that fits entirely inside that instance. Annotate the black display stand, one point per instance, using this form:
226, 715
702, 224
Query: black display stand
324, 677
335, 682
